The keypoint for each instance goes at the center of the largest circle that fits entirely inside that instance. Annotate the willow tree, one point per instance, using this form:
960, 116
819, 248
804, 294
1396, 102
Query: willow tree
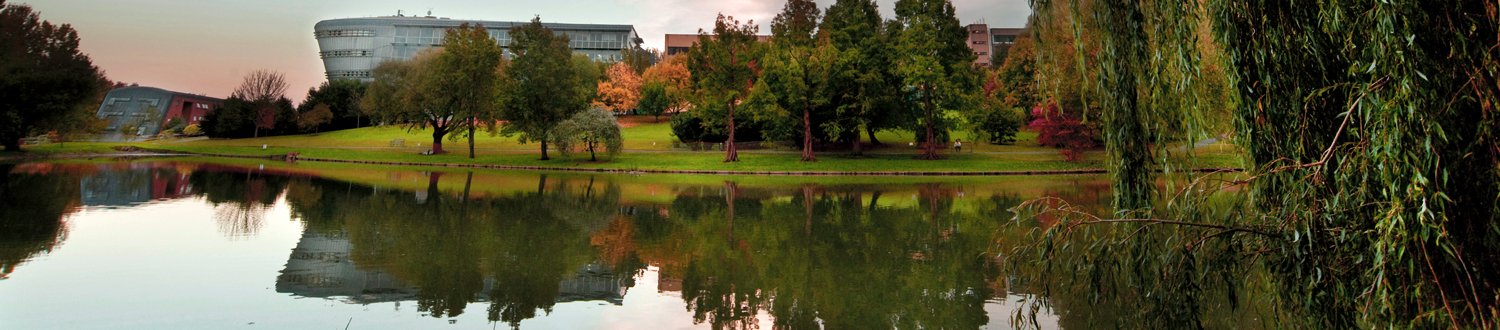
1375, 168
724, 66
936, 64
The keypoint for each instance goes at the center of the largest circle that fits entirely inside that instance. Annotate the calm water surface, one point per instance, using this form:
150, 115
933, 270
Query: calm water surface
208, 245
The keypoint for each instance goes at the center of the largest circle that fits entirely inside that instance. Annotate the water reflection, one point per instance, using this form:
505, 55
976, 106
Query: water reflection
34, 204
738, 253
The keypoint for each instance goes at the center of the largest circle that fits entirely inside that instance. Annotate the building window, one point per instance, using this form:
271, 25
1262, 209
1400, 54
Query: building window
343, 33
348, 74
346, 53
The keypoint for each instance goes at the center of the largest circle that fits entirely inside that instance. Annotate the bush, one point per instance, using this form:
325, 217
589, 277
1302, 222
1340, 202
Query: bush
1058, 129
996, 125
687, 128
192, 130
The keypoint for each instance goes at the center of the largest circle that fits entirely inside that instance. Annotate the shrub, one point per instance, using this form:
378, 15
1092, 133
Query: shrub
192, 130
1059, 129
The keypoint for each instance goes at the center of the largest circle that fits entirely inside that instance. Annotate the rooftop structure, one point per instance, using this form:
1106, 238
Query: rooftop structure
352, 47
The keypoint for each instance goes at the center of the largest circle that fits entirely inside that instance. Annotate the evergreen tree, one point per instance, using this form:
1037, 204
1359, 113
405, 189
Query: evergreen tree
936, 64
725, 66
796, 71
861, 81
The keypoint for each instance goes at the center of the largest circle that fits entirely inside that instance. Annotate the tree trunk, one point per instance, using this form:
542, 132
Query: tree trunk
858, 150
541, 185
544, 150
871, 131
929, 151
807, 141
471, 137
592, 158
432, 187
437, 140
467, 183
731, 154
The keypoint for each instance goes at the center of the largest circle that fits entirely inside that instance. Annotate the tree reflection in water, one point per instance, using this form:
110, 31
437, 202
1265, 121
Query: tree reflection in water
742, 255
240, 197
32, 211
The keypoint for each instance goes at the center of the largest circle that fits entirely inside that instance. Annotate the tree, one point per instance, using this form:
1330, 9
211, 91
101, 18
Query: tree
637, 58
861, 81
468, 74
725, 67
620, 91
796, 71
936, 63
403, 93
1015, 79
262, 88
44, 79
593, 129
312, 119
654, 100
672, 72
543, 86
342, 97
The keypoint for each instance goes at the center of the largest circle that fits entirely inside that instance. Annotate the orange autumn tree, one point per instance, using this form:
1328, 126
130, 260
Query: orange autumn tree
620, 90
673, 73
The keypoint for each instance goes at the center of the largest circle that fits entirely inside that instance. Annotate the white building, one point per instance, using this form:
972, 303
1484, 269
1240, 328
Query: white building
352, 47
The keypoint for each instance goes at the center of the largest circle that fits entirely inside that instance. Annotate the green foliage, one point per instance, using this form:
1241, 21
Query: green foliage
592, 130
864, 89
403, 93
237, 118
317, 116
545, 85
1372, 196
342, 97
1016, 79
468, 74
654, 99
794, 77
995, 124
725, 68
936, 65
44, 79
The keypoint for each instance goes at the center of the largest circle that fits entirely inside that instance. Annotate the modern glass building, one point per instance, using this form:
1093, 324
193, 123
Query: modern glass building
352, 47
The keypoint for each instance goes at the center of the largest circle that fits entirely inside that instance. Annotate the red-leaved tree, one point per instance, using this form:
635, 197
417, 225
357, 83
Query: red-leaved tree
1059, 129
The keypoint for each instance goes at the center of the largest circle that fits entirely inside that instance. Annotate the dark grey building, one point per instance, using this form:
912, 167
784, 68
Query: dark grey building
352, 47
136, 112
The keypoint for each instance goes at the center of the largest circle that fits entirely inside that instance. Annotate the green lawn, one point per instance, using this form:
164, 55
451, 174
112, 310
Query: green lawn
648, 147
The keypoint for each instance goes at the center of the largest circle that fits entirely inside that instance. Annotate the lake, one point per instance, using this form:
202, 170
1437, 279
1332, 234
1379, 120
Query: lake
211, 244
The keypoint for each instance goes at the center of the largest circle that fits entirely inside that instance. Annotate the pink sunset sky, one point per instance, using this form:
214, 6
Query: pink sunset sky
206, 47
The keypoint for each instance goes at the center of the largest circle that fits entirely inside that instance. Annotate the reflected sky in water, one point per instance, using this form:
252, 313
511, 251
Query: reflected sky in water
196, 244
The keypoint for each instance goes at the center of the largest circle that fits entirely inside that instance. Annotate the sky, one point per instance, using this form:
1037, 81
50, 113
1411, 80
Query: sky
206, 47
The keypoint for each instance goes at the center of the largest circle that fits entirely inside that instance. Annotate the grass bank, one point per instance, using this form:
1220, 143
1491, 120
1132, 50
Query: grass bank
648, 148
